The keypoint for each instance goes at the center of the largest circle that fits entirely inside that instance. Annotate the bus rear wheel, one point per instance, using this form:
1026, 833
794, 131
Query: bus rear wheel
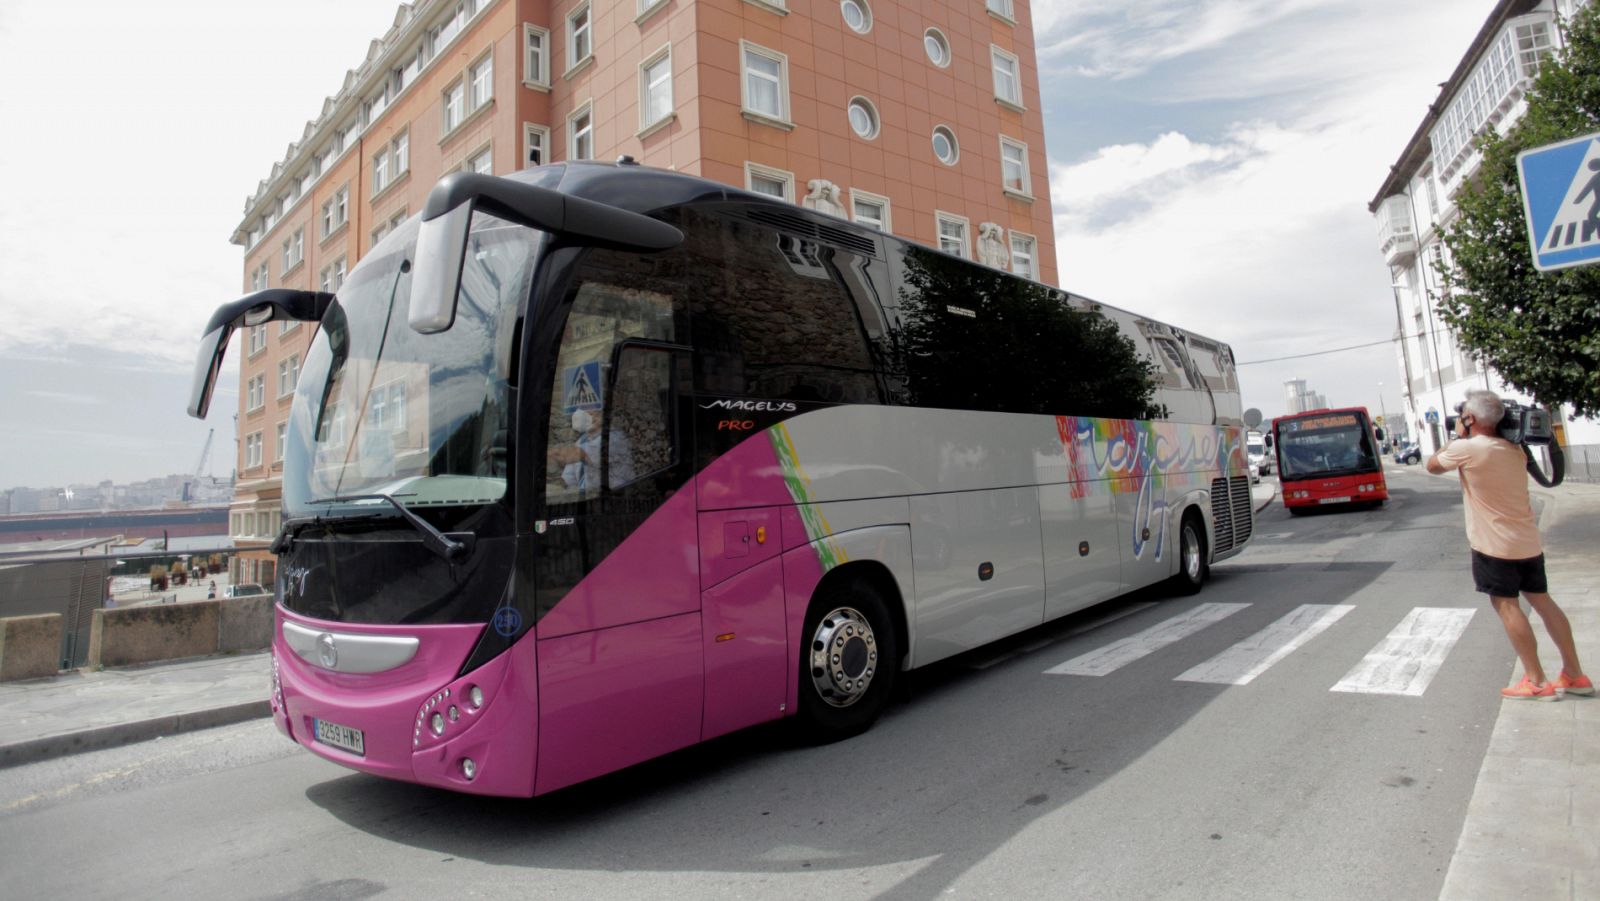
848, 664
1192, 566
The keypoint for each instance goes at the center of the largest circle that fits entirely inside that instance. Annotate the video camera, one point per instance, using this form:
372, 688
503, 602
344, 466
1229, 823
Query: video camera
1519, 424
1526, 426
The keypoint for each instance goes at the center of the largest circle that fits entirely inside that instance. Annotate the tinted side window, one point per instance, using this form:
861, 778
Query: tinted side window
973, 338
774, 315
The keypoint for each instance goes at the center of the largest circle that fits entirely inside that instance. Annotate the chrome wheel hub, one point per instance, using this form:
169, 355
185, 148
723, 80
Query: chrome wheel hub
1191, 553
844, 657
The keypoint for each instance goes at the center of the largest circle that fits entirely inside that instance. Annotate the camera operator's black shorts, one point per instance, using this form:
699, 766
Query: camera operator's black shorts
1508, 578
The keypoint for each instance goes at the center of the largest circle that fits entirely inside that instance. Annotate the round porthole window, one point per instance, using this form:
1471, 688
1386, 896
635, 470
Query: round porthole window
945, 146
938, 48
863, 118
857, 15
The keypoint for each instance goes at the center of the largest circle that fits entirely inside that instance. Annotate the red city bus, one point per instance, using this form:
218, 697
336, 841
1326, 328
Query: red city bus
1329, 457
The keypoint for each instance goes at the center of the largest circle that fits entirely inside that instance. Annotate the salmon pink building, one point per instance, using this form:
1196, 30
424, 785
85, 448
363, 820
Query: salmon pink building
919, 119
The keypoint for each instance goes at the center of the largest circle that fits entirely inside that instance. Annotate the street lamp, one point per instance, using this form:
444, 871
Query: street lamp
1383, 415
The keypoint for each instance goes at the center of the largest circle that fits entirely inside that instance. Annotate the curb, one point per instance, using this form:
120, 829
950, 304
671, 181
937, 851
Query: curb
113, 736
1266, 503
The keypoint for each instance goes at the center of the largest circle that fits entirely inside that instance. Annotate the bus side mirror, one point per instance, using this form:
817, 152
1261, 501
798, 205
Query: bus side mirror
250, 310
447, 220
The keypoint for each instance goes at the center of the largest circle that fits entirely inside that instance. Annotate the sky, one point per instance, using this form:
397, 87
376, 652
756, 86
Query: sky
1210, 165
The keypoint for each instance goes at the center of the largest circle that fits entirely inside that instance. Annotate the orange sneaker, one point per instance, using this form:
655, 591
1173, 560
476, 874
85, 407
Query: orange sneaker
1526, 690
1574, 685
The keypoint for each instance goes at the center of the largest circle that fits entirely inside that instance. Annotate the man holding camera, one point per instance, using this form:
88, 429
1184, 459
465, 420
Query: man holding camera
1507, 557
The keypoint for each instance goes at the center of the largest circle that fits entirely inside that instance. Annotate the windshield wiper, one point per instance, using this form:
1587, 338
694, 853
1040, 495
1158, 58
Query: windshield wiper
451, 547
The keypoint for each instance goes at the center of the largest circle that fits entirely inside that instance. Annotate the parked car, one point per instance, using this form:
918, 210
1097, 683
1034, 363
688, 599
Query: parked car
243, 590
1407, 452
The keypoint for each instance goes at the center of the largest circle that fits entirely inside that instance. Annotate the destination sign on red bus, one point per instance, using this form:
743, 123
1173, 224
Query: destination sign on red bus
1335, 421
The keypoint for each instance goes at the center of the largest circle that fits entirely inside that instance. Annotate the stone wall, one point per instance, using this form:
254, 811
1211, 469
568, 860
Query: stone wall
30, 646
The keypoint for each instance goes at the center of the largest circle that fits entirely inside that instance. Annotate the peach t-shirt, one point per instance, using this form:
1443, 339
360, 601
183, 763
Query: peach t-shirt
1494, 479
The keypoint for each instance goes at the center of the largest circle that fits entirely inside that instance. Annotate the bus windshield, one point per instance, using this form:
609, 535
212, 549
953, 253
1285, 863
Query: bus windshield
1329, 445
381, 409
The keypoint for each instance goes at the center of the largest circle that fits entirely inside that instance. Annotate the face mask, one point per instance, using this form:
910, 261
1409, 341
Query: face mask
582, 421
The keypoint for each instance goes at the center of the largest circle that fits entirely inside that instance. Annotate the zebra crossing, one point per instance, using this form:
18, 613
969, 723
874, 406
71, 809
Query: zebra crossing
1403, 663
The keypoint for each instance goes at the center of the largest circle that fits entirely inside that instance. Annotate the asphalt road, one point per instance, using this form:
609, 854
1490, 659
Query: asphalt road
994, 778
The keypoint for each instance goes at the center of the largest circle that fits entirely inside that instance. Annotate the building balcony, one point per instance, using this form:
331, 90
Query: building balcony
1397, 240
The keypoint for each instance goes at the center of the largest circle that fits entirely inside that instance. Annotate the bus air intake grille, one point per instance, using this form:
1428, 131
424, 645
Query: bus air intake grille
1221, 515
1243, 519
805, 228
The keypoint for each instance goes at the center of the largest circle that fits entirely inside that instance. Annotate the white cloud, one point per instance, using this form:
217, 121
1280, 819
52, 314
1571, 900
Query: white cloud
1257, 235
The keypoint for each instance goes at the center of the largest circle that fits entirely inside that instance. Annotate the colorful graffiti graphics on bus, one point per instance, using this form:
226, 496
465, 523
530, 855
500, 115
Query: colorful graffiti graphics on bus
1148, 458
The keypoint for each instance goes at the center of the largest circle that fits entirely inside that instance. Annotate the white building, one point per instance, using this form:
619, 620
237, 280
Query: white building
1416, 204
1297, 398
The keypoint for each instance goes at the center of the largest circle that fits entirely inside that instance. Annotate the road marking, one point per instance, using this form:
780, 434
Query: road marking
1251, 657
1118, 654
1406, 661
1043, 643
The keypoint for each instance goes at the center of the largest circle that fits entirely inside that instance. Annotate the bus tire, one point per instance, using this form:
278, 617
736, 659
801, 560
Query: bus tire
1192, 565
848, 663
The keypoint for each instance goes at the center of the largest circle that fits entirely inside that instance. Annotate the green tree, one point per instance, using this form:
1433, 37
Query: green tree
1539, 330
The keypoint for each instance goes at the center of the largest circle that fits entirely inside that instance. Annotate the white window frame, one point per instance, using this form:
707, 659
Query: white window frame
752, 171
579, 34
872, 113
944, 46
480, 82
332, 276
1025, 192
940, 218
955, 144
531, 134
283, 441
255, 391
1004, 10
535, 68
294, 250
996, 54
584, 109
285, 326
453, 105
866, 15
781, 120
646, 86
648, 8
781, 7
1032, 254
887, 226
259, 279
252, 450
257, 336
486, 151
336, 211
288, 375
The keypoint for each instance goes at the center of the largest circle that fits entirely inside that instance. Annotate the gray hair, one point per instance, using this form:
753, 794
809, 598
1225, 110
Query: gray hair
1485, 406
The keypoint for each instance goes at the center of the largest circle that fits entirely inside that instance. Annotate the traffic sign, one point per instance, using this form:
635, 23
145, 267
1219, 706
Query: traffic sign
1561, 199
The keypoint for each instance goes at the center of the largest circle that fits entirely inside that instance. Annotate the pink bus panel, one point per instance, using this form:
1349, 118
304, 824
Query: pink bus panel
611, 698
746, 649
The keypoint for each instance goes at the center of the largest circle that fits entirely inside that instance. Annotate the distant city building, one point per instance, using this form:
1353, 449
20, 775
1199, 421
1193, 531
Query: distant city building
1298, 399
1416, 204
922, 120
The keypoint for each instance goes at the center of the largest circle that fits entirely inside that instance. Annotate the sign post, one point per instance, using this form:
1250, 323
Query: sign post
1561, 199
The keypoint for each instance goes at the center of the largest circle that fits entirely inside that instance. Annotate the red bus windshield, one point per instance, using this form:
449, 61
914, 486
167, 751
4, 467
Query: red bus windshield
1324, 444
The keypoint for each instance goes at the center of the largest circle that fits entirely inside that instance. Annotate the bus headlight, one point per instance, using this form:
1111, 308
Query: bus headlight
436, 723
469, 769
475, 695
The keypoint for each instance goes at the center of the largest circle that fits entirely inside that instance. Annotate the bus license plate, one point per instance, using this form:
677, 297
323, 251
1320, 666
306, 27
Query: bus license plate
342, 737
1334, 500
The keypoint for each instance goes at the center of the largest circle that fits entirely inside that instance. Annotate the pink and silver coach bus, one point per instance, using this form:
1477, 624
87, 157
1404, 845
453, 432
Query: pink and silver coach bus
593, 462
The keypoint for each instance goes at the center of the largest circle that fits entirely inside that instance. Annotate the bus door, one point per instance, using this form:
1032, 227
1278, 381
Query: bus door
620, 653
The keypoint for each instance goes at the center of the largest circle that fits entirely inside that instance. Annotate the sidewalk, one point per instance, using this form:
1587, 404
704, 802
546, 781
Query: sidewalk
85, 711
1533, 826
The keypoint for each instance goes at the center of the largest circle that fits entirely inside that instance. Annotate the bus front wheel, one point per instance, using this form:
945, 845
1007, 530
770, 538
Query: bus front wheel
1192, 566
848, 664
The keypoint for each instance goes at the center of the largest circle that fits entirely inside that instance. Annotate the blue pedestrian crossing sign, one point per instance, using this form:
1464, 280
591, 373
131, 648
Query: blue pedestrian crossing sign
1561, 197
